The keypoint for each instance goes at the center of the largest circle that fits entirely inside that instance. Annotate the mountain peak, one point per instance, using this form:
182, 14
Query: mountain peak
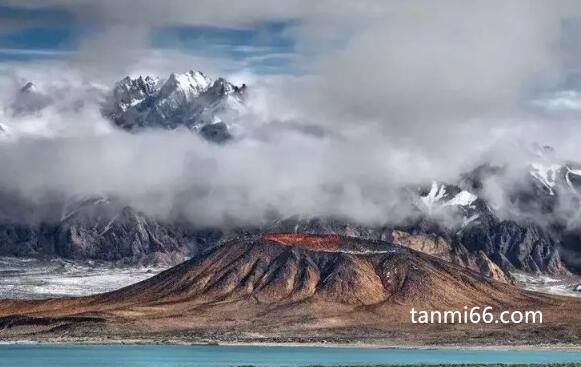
29, 87
189, 99
191, 84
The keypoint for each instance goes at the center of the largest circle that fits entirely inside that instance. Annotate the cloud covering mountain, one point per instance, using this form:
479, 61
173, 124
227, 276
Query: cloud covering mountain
379, 98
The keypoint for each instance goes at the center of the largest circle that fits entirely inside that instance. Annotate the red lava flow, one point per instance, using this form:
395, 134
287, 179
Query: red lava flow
307, 241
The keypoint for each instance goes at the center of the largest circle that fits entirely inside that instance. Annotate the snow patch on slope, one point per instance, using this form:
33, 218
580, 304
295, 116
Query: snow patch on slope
442, 196
574, 172
546, 174
437, 193
183, 88
463, 198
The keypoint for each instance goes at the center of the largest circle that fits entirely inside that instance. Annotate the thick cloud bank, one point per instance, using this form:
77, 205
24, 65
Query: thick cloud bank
393, 95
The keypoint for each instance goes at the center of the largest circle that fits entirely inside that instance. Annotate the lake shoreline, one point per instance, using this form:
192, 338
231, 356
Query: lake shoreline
177, 342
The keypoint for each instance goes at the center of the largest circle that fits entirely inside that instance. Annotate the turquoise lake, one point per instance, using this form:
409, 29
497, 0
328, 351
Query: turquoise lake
24, 355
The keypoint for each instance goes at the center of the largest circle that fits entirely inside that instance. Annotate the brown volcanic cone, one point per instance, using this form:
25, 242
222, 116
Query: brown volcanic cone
287, 284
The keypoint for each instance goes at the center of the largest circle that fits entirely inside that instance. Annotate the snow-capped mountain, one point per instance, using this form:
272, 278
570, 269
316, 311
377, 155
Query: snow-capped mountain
443, 198
462, 217
31, 99
557, 177
191, 100
53, 109
552, 175
538, 222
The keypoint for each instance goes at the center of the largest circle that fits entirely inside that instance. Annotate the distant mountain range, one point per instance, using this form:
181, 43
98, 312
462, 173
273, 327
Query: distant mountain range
452, 221
191, 100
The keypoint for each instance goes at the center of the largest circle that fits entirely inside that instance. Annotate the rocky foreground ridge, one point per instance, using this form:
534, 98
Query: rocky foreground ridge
294, 284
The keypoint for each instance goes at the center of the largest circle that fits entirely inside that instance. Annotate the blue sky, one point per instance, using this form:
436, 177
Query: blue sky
32, 35
265, 48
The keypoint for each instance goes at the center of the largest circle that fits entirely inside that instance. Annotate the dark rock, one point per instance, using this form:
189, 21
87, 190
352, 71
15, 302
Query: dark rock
100, 229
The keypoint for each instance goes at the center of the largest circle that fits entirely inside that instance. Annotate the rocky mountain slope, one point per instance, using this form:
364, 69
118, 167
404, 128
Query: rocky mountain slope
190, 100
105, 229
283, 283
96, 229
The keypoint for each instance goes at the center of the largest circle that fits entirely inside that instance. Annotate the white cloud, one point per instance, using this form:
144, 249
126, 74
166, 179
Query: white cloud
393, 93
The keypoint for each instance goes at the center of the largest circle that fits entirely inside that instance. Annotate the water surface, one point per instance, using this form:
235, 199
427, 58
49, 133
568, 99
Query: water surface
24, 355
